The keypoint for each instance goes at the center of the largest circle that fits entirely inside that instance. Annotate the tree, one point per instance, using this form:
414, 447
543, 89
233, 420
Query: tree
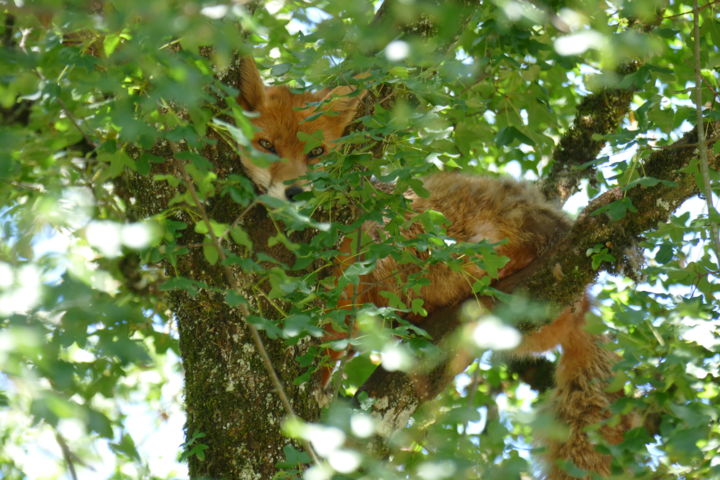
126, 212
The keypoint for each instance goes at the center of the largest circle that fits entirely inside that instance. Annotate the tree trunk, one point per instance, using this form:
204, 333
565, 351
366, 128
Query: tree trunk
231, 404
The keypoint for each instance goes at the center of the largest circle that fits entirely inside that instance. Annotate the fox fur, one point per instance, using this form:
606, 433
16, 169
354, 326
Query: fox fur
478, 209
279, 115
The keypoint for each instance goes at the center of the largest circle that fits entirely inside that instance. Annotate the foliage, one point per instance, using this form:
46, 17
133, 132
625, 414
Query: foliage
92, 98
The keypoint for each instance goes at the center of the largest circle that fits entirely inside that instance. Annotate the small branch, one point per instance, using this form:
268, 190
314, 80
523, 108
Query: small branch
232, 281
694, 10
598, 114
67, 455
702, 147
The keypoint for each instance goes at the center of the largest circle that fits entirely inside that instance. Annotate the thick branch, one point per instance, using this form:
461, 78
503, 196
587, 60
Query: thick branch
398, 394
598, 115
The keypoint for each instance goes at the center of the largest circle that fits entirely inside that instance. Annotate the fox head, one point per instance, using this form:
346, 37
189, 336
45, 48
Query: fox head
281, 115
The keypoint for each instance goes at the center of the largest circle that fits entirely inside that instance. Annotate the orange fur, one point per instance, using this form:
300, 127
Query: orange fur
478, 209
580, 399
280, 116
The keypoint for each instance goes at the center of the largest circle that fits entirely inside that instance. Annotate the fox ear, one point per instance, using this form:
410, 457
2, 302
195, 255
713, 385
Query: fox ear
252, 88
341, 102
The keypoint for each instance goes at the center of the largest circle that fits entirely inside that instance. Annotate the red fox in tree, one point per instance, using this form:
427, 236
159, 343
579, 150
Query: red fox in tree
478, 209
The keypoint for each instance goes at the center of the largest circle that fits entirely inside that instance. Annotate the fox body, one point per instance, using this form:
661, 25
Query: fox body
494, 210
478, 209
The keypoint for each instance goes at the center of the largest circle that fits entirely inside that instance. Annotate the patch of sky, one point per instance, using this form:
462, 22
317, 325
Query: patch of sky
463, 56
489, 116
575, 80
397, 50
302, 20
8, 227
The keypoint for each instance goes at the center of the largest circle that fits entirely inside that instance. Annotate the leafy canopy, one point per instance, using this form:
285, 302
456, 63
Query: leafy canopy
86, 330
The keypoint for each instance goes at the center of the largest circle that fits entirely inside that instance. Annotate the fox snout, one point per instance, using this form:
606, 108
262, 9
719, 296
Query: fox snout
284, 189
292, 191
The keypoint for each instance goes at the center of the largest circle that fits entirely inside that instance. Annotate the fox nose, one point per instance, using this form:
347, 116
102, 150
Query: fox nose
292, 191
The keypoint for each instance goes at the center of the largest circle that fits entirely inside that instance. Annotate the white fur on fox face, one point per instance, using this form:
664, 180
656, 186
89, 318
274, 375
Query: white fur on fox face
259, 176
277, 190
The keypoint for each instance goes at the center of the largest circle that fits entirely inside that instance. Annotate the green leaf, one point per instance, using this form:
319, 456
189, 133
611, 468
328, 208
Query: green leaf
110, 43
280, 69
261, 323
296, 325
233, 299
241, 237
202, 164
237, 134
359, 369
210, 252
664, 254
98, 422
648, 182
126, 446
312, 140
508, 135
294, 457
181, 283
117, 163
617, 209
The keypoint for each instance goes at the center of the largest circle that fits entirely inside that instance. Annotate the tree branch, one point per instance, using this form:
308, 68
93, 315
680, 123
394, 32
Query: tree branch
702, 153
398, 394
597, 115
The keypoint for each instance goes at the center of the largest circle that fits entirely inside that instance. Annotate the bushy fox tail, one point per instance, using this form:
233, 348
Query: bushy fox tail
580, 398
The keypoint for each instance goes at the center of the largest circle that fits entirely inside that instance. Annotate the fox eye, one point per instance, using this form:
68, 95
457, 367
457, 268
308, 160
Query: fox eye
267, 145
316, 152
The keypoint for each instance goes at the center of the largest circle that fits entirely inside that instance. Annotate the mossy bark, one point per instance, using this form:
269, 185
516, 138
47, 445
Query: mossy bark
231, 405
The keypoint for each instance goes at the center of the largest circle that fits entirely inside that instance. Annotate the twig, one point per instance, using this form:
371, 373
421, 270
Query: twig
67, 454
716, 93
694, 10
239, 218
702, 147
232, 281
7, 39
68, 113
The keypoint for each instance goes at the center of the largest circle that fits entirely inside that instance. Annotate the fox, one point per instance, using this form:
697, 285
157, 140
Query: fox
513, 215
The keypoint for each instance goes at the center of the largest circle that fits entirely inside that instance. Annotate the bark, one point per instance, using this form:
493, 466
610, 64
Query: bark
228, 395
597, 115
